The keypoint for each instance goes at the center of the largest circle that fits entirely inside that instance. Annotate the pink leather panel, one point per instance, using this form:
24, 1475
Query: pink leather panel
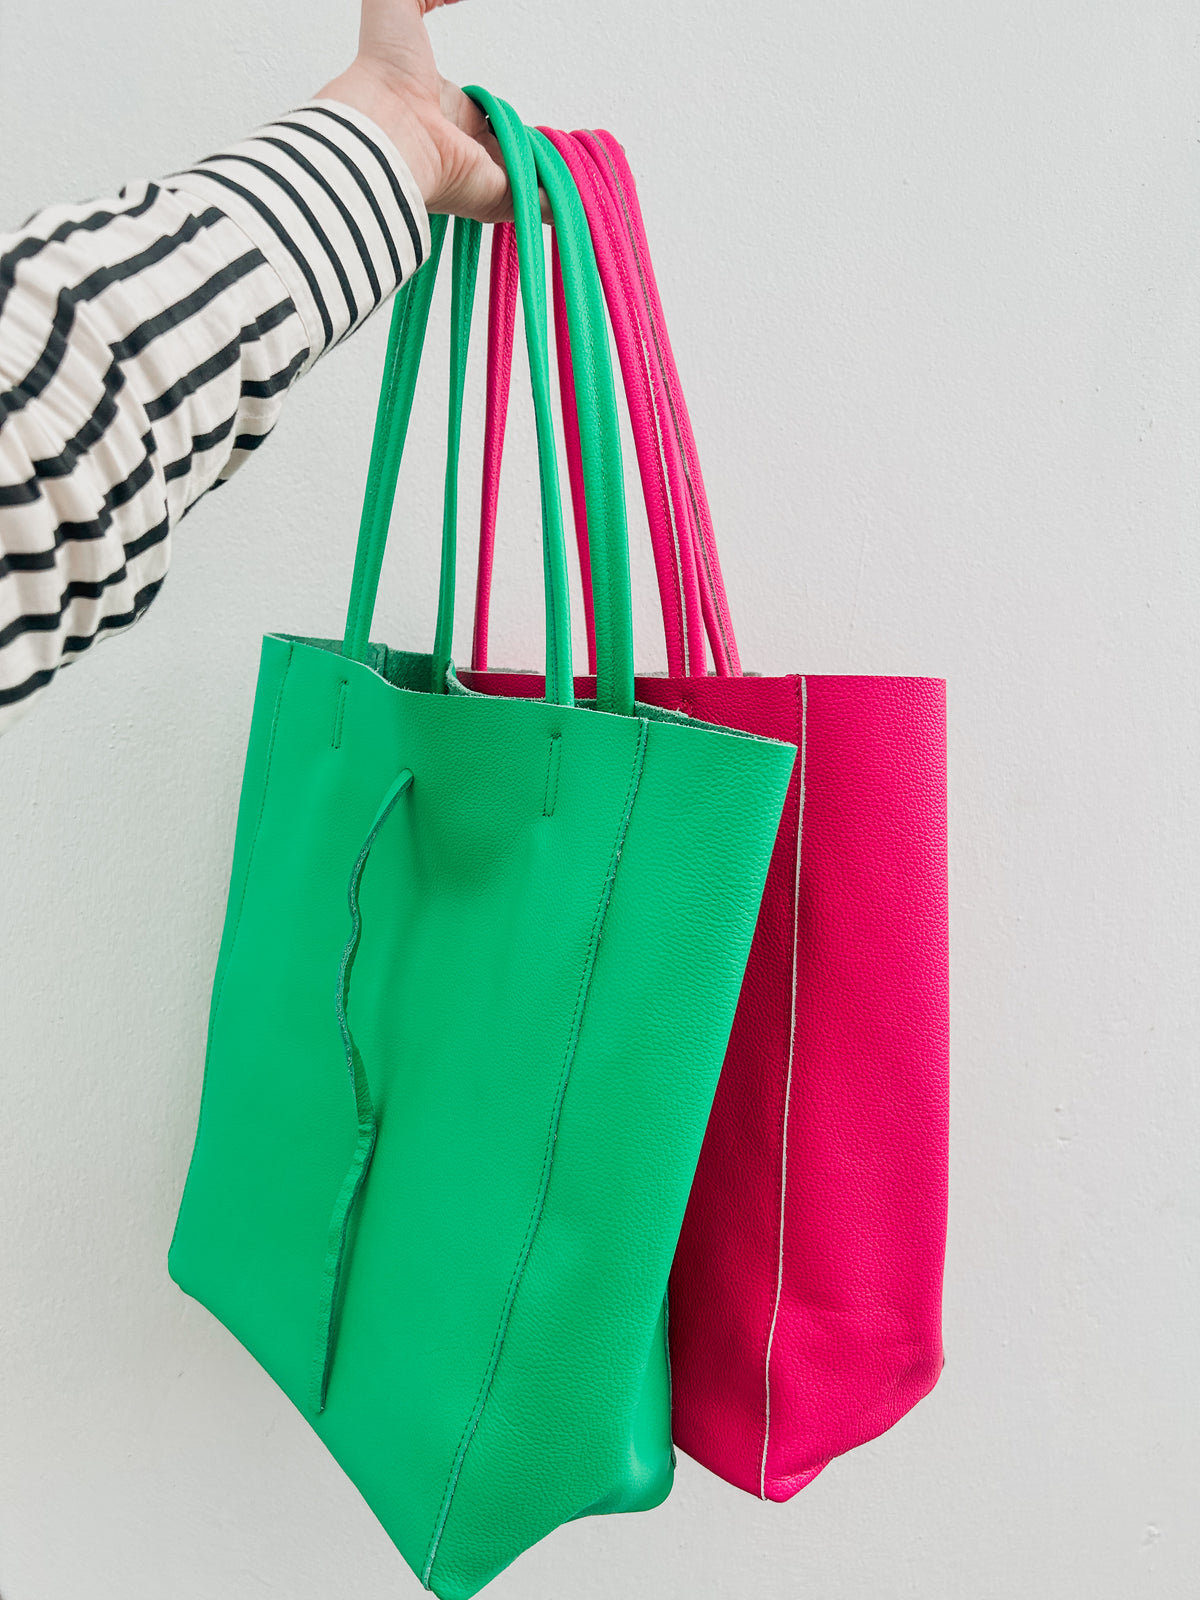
855, 1291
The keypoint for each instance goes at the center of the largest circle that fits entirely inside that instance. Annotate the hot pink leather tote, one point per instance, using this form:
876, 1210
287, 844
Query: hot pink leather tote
805, 1302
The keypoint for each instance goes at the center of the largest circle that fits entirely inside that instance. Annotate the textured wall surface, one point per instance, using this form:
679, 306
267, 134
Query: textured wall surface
932, 275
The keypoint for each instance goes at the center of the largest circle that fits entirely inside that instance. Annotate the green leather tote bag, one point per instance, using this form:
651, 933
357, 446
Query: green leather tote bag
479, 967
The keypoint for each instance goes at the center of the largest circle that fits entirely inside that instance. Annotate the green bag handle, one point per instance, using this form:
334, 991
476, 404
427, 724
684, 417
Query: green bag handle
468, 236
600, 438
410, 319
527, 156
599, 432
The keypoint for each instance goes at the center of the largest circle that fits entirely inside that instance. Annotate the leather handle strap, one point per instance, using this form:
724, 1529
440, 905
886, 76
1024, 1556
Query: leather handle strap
502, 313
501, 330
690, 583
467, 238
600, 441
531, 276
674, 563
597, 432
610, 160
570, 419
600, 476
410, 319
658, 455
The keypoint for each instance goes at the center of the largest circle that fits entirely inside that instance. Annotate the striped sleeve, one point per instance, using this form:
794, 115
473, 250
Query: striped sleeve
147, 343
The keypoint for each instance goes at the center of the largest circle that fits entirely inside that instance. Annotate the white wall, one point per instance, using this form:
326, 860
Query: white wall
932, 275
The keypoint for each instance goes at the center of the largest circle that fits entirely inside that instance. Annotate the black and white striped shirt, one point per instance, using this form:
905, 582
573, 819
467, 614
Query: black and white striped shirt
146, 346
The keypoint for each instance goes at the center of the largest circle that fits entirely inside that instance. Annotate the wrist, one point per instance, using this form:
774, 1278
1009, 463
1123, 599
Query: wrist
373, 91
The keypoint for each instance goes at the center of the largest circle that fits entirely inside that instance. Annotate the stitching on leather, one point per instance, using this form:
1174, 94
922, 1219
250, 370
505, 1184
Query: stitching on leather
802, 741
585, 979
339, 713
216, 1005
553, 768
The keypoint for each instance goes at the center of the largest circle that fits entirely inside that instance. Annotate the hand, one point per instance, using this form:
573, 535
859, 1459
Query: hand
442, 135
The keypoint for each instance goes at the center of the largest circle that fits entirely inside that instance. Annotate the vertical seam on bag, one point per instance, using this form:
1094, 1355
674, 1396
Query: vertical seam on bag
553, 768
339, 713
670, 1375
585, 982
802, 730
220, 990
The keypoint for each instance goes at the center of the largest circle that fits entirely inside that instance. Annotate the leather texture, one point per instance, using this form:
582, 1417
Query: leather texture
480, 963
806, 1291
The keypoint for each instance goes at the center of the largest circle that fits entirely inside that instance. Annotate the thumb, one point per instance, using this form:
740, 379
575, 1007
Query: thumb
474, 181
480, 187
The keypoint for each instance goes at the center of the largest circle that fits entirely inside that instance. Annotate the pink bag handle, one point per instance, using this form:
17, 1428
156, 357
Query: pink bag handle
683, 622
502, 316
610, 161
659, 458
677, 507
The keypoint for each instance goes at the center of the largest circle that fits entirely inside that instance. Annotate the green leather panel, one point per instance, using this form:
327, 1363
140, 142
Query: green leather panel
553, 923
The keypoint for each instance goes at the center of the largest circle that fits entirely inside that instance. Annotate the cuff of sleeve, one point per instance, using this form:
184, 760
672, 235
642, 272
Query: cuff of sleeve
328, 199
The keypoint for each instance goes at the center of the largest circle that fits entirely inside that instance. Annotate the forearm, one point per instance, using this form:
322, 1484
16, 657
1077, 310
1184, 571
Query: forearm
146, 346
